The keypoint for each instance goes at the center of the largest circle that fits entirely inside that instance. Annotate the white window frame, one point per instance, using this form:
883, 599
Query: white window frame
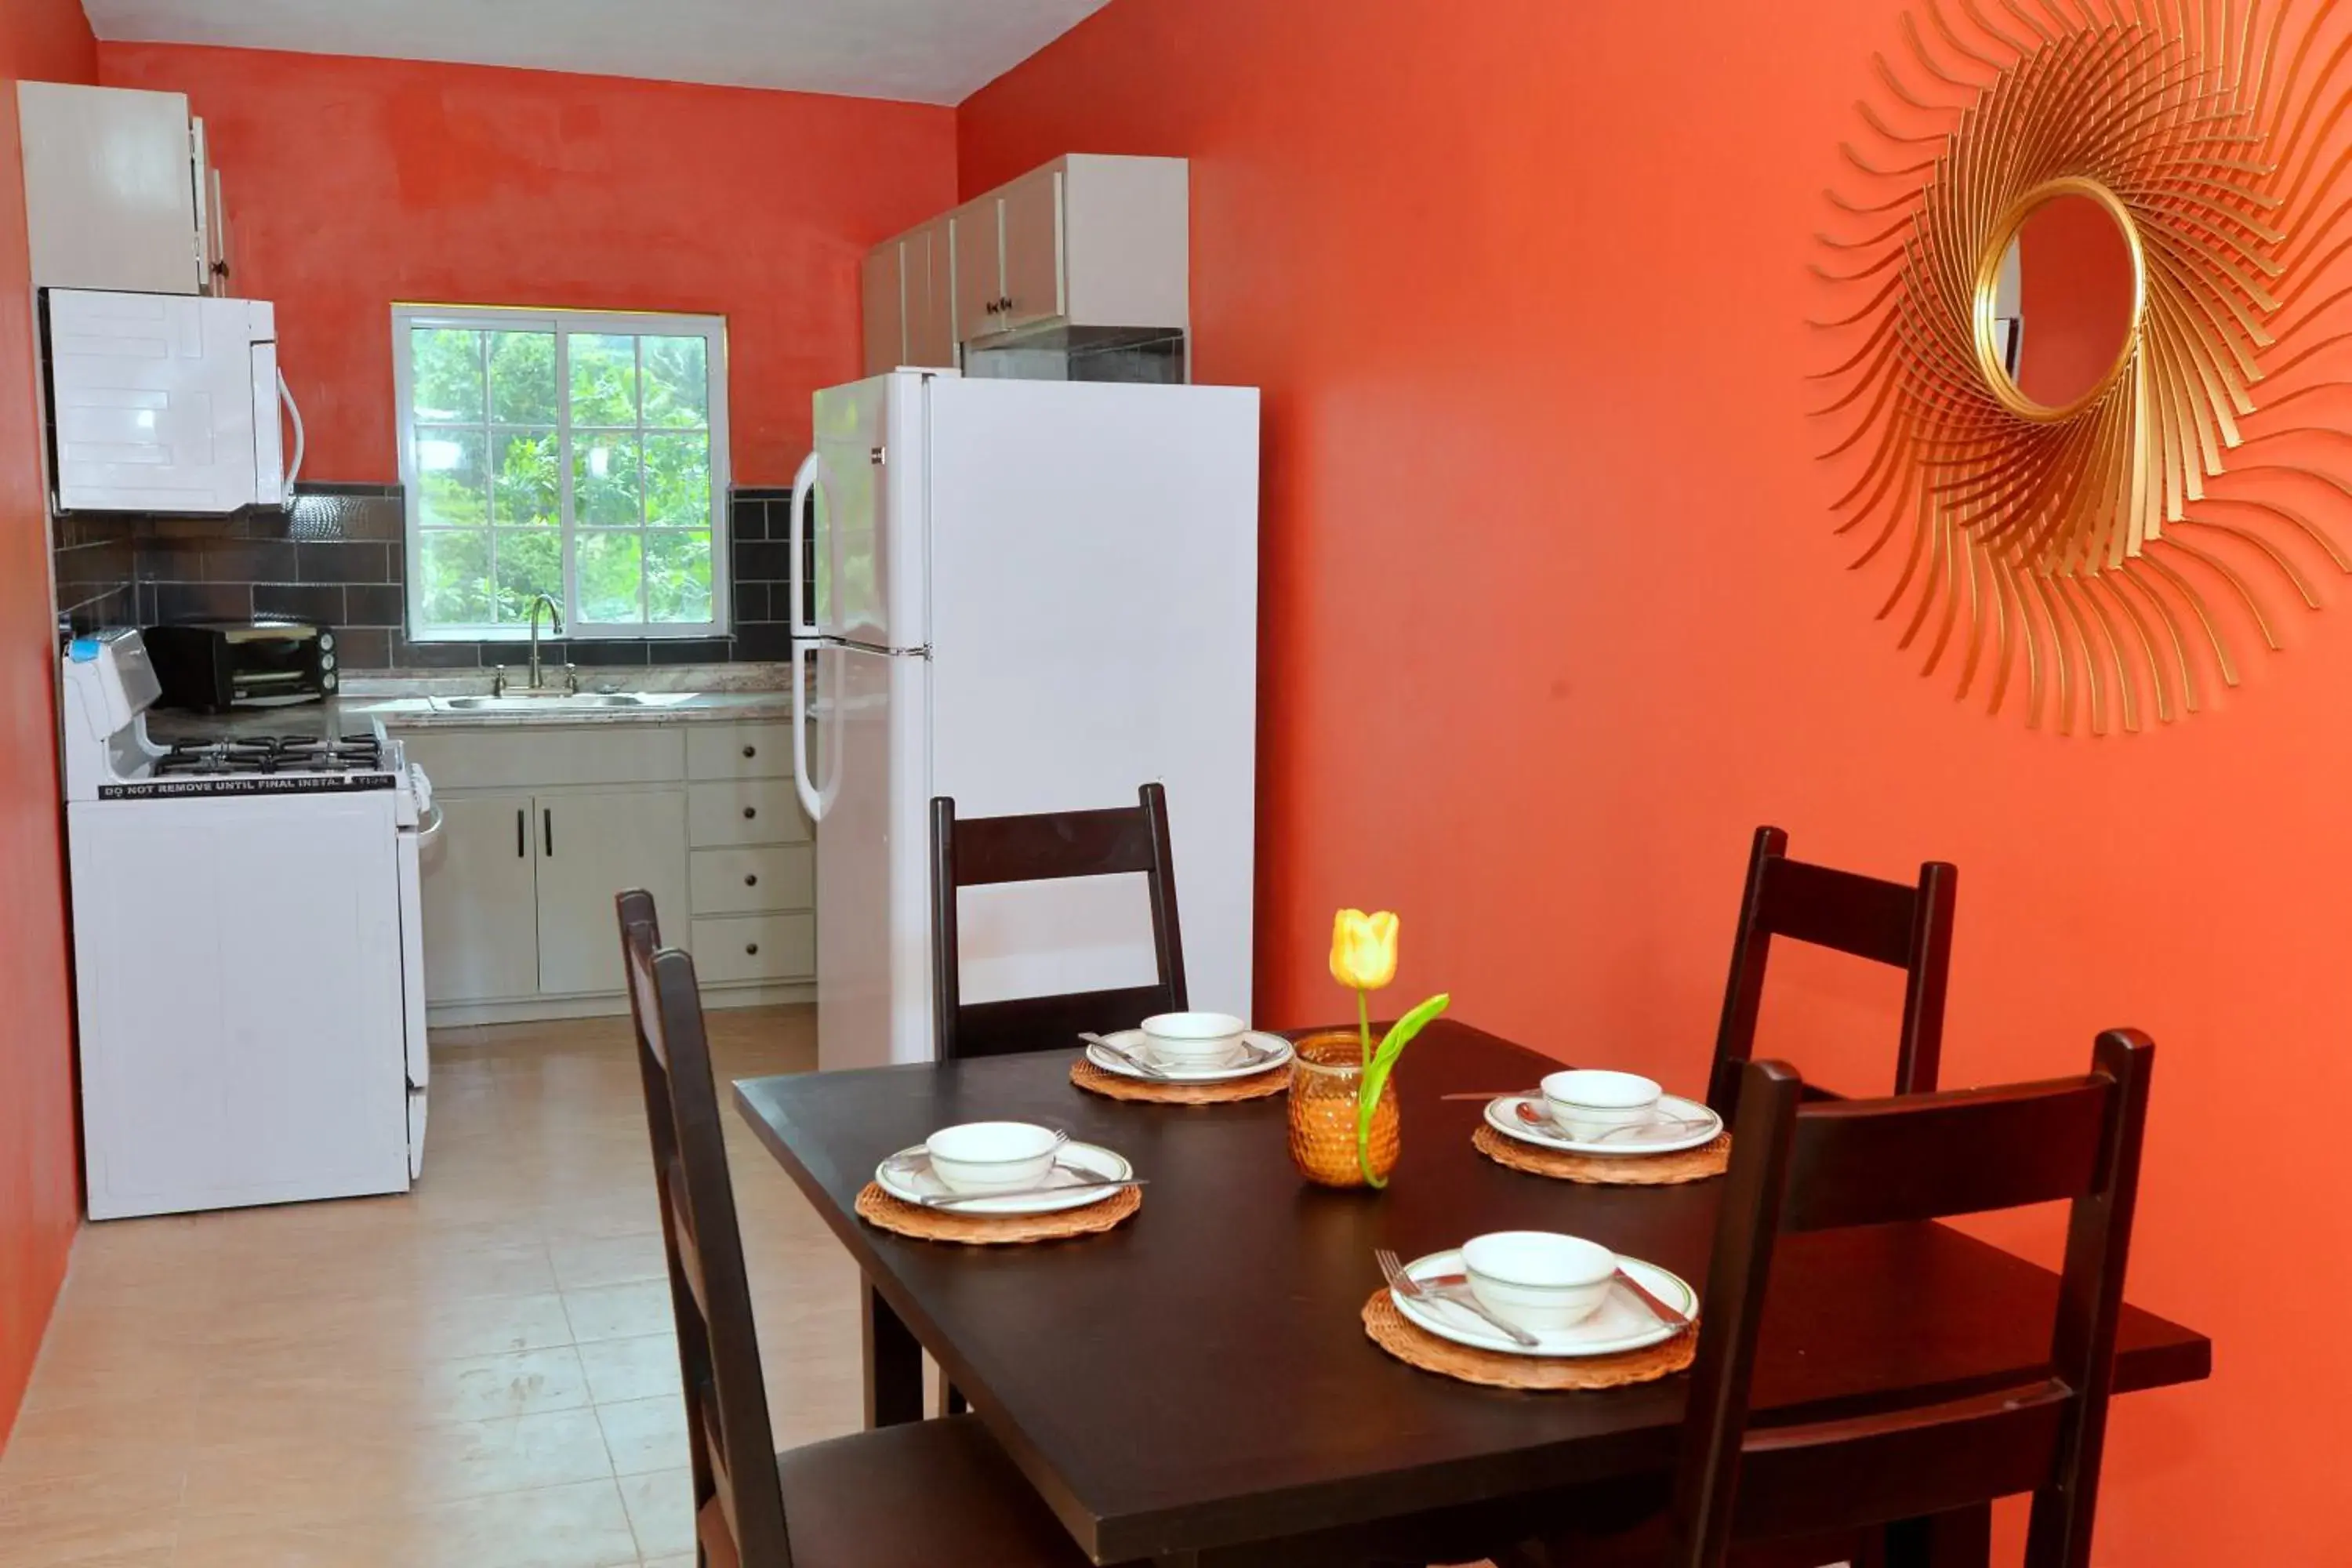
476, 318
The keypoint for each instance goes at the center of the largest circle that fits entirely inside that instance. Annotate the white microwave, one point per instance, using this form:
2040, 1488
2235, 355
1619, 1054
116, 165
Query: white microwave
167, 403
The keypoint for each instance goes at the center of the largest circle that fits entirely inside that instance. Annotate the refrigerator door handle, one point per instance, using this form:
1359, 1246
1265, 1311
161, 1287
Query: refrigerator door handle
805, 483
810, 802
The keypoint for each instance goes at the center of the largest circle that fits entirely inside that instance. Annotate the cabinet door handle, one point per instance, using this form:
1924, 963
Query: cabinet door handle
749, 812
751, 750
751, 878
523, 844
547, 827
1005, 304
751, 948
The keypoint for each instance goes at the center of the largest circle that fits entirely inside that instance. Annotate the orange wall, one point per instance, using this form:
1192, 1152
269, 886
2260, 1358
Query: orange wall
44, 41
355, 182
1553, 617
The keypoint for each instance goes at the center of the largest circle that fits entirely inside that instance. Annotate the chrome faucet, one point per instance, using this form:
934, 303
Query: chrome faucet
555, 619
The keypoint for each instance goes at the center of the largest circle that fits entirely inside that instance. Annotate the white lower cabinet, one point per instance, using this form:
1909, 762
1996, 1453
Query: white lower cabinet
481, 901
541, 827
594, 845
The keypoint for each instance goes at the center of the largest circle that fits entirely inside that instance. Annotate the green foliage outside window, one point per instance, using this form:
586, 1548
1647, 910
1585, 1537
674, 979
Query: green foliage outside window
491, 428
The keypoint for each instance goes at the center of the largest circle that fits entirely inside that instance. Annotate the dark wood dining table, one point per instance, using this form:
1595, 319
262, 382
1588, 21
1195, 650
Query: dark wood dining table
1195, 1387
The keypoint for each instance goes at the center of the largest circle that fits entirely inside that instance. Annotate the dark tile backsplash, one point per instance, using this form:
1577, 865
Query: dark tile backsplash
338, 558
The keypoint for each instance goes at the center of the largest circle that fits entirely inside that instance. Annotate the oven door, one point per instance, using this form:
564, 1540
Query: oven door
417, 845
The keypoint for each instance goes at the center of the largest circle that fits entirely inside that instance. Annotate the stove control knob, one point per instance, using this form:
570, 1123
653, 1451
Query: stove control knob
326, 642
327, 682
326, 661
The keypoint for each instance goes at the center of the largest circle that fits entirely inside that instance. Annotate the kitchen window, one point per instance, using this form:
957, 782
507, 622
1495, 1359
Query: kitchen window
579, 456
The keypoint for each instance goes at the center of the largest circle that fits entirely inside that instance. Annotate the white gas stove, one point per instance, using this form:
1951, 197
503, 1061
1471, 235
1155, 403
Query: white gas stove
248, 953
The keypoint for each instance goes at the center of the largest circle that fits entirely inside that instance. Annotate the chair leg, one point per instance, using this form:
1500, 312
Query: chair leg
1960, 1538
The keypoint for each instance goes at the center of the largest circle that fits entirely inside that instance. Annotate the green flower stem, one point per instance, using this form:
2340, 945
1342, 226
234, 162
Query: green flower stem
1364, 1024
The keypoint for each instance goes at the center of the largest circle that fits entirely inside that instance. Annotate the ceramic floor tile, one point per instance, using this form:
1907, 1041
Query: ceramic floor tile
661, 1511
635, 1368
645, 1434
396, 1381
621, 1311
614, 1260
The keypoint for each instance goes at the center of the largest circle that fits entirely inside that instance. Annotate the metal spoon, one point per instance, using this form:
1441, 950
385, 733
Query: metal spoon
1127, 1056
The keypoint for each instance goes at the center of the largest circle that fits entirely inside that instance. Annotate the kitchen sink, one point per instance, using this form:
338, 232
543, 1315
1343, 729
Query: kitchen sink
558, 702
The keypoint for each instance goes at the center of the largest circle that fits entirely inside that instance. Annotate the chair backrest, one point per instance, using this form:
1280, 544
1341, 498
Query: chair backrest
979, 851
737, 1503
1907, 927
1824, 1165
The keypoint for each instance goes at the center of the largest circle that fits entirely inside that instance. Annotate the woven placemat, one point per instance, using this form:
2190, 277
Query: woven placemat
1416, 1346
1118, 1085
877, 1208
1606, 1170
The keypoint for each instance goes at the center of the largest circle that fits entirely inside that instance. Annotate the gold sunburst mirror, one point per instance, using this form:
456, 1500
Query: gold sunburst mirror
2084, 243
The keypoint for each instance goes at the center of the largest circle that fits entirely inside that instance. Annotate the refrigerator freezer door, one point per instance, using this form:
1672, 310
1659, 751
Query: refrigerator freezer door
869, 522
872, 858
1094, 619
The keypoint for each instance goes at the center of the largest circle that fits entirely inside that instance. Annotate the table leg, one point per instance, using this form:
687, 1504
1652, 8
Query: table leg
894, 1366
1960, 1538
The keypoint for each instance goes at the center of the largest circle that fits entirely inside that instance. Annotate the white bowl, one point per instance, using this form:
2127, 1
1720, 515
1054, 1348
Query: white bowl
1539, 1280
1193, 1040
1587, 1102
991, 1156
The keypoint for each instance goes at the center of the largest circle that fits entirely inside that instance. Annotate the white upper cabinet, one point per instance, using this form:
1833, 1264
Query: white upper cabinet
1029, 222
909, 301
119, 192
930, 296
884, 286
1088, 241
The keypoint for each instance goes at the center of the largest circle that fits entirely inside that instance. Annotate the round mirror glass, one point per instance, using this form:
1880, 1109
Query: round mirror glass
2064, 301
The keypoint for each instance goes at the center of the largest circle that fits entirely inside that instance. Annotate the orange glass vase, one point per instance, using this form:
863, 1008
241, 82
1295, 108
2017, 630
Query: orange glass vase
1325, 1073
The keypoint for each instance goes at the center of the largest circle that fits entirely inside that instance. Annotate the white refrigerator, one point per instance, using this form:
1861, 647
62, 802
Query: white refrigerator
1029, 596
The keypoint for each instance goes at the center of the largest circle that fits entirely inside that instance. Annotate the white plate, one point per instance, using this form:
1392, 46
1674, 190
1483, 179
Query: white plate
1272, 1051
1503, 1116
908, 1176
1623, 1323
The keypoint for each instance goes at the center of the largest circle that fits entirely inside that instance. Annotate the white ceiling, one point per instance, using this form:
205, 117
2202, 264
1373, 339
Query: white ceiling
926, 51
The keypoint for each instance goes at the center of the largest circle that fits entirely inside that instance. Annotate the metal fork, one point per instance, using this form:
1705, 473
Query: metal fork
1404, 1284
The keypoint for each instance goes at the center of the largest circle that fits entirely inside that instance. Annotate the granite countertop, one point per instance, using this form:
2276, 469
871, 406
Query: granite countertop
403, 700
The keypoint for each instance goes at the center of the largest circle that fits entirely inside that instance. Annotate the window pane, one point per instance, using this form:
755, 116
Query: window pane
450, 490
677, 574
603, 379
456, 572
446, 377
525, 486
606, 485
531, 562
610, 572
677, 480
522, 378
678, 382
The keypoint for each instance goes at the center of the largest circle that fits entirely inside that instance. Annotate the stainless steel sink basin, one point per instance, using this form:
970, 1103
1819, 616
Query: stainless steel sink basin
558, 702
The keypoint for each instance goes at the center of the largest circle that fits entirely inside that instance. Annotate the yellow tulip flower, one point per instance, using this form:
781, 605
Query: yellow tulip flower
1363, 949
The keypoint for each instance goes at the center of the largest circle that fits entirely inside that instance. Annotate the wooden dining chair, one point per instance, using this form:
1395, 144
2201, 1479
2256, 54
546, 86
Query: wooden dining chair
1800, 1167
981, 851
908, 1495
1905, 926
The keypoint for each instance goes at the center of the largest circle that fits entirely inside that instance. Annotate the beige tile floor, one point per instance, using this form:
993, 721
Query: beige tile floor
480, 1374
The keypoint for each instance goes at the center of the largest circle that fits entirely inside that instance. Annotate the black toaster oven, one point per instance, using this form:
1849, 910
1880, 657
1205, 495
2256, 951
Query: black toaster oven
214, 666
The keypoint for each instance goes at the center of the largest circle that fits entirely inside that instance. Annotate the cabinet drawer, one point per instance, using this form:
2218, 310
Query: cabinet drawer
739, 750
733, 948
750, 811
750, 881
